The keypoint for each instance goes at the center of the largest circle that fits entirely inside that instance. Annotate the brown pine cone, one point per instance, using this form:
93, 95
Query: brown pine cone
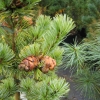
48, 64
29, 63
28, 20
4, 23
18, 3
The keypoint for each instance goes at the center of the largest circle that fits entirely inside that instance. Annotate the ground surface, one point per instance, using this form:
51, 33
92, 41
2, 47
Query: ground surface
73, 94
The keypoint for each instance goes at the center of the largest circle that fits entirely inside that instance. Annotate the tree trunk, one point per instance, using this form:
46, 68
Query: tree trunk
17, 96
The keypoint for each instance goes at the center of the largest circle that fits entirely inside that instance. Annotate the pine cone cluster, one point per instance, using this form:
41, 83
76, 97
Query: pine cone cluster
32, 62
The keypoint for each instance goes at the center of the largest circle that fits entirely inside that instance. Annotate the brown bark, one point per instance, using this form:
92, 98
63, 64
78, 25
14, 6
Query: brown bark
17, 96
13, 41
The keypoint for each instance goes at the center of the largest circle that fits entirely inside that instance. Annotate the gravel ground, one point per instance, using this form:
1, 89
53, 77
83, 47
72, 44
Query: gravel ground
73, 95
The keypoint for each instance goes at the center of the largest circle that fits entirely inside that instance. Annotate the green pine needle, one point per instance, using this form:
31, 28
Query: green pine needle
6, 54
33, 49
7, 88
2, 5
75, 55
49, 89
88, 83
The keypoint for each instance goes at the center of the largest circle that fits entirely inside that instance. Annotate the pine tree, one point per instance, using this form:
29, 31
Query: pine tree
82, 11
30, 52
84, 60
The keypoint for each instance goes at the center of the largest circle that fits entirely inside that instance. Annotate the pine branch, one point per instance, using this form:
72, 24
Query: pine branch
51, 89
75, 56
7, 88
45, 31
87, 82
6, 54
33, 49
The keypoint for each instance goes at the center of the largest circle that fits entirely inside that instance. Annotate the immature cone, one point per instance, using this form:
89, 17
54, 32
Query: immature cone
28, 20
18, 3
29, 63
4, 23
48, 64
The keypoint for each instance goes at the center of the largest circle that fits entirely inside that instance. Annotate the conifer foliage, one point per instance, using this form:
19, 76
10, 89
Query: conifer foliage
84, 59
30, 52
82, 11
